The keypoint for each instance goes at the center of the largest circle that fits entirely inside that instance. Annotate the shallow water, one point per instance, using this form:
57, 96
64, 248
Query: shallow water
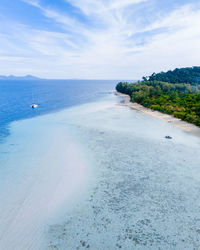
99, 176
39, 173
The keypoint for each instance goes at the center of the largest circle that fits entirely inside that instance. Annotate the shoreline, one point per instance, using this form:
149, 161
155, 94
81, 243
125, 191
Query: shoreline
185, 126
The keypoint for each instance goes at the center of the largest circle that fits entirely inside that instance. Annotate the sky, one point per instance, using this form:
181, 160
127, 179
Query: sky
98, 39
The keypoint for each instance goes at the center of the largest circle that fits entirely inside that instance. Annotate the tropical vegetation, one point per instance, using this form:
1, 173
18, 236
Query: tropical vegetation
189, 75
181, 100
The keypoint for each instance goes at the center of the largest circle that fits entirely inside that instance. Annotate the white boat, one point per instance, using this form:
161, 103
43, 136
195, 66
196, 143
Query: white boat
34, 106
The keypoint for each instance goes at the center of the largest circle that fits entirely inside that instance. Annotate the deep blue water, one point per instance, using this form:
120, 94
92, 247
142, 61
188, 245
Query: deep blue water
16, 96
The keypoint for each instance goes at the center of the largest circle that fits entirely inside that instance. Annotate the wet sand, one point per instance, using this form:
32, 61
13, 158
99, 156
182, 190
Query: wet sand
185, 126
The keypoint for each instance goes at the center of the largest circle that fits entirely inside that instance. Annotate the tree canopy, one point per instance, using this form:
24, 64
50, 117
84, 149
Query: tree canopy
181, 100
189, 75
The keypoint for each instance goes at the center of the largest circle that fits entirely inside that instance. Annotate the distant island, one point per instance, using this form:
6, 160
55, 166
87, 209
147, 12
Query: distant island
12, 77
174, 92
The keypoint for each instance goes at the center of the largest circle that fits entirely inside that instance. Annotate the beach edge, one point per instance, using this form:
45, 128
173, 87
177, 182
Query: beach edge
185, 126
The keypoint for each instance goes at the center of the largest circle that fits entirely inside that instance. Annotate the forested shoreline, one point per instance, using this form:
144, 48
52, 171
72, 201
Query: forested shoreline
182, 100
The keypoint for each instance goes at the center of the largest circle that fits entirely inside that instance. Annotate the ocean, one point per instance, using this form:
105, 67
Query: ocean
51, 95
83, 171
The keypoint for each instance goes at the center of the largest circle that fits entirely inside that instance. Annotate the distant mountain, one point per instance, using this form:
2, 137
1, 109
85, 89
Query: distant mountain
12, 77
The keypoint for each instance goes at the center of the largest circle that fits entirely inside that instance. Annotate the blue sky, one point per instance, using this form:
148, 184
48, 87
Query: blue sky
98, 39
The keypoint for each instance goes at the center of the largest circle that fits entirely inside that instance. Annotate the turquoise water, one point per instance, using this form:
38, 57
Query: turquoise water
99, 176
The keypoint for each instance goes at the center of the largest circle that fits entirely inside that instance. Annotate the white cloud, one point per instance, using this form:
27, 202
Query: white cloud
35, 3
107, 51
123, 3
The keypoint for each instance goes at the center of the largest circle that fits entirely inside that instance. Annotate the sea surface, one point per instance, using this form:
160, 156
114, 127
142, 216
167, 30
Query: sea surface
51, 96
83, 171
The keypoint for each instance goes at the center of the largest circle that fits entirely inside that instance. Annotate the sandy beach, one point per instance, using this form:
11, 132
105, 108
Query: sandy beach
185, 126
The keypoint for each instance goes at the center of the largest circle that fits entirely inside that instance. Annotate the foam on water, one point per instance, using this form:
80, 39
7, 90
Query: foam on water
99, 176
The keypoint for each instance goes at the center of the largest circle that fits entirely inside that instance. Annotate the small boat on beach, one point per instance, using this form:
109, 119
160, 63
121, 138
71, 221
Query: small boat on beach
34, 106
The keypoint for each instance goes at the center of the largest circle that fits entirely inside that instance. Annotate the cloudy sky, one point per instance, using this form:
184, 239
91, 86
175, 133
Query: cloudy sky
98, 39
